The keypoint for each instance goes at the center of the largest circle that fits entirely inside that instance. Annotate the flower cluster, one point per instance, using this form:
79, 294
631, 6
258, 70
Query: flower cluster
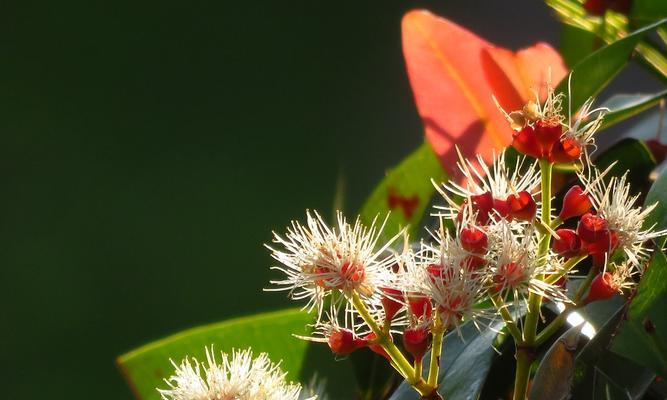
238, 377
498, 241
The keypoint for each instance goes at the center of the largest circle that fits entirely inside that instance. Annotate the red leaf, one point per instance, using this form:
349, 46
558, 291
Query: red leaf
454, 74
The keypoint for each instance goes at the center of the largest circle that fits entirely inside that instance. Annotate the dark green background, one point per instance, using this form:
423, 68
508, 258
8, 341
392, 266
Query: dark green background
149, 147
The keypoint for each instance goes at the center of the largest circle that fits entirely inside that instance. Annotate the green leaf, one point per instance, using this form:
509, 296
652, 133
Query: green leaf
464, 365
554, 375
576, 43
146, 367
631, 156
623, 106
594, 72
658, 196
644, 11
405, 191
647, 347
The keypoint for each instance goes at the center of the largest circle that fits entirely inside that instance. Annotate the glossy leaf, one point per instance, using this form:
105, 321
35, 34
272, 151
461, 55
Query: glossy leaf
405, 191
658, 196
632, 157
594, 72
454, 73
146, 367
636, 341
554, 376
646, 11
624, 106
464, 364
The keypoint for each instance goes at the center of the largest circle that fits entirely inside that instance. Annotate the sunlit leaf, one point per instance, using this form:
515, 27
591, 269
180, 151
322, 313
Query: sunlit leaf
454, 75
594, 72
146, 367
623, 106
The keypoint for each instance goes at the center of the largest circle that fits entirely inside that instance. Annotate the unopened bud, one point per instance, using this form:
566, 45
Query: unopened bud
522, 206
568, 244
602, 288
474, 240
575, 203
342, 342
416, 341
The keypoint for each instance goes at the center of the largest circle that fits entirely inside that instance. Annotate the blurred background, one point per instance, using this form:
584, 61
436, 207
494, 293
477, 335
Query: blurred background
149, 148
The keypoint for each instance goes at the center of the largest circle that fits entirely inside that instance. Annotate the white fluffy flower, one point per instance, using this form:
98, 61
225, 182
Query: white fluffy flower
613, 202
320, 262
239, 377
515, 268
498, 180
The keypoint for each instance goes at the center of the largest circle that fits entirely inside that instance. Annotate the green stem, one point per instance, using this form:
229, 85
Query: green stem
567, 266
525, 349
398, 360
523, 361
438, 332
535, 300
507, 317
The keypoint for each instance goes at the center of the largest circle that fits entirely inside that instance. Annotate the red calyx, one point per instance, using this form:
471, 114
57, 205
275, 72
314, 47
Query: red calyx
525, 142
474, 240
482, 204
472, 263
416, 341
502, 208
566, 150
602, 288
389, 303
592, 228
575, 203
420, 306
509, 274
375, 348
522, 206
342, 342
569, 244
547, 134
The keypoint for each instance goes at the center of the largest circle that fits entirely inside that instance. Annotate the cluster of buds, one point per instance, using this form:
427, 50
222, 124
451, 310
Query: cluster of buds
504, 243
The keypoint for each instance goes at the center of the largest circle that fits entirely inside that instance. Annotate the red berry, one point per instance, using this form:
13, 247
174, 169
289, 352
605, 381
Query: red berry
602, 287
575, 203
568, 245
416, 341
522, 206
474, 240
342, 342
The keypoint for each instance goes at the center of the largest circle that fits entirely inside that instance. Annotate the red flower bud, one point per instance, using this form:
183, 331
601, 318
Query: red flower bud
569, 244
602, 288
474, 240
416, 341
390, 304
565, 151
375, 348
420, 305
525, 142
575, 203
592, 228
342, 342
522, 206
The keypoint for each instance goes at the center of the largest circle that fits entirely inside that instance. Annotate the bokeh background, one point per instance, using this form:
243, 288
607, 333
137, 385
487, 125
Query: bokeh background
147, 149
